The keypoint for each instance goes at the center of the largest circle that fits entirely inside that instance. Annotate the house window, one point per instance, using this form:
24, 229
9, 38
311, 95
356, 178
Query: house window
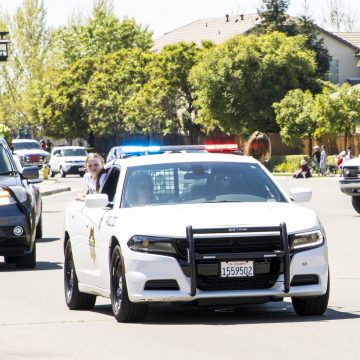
334, 71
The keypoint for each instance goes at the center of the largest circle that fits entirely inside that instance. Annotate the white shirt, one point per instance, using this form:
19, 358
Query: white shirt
90, 183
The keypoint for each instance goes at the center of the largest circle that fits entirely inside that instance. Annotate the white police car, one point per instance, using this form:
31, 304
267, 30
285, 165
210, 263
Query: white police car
208, 229
350, 181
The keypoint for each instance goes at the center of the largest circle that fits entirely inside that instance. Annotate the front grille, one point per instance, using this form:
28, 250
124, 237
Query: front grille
351, 172
214, 283
230, 245
200, 256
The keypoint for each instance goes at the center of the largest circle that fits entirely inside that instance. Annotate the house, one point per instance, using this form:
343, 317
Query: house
343, 47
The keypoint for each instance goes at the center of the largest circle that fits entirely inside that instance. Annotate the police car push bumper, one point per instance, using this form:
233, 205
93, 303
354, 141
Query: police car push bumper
142, 269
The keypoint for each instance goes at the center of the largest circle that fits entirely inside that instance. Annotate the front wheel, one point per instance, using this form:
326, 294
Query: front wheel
62, 173
312, 306
75, 300
51, 173
123, 309
355, 200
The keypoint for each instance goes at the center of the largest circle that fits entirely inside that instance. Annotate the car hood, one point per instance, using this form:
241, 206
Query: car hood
171, 220
351, 162
74, 158
10, 180
31, 152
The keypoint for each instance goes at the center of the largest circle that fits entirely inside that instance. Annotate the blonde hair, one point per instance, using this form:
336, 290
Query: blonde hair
258, 146
96, 156
93, 156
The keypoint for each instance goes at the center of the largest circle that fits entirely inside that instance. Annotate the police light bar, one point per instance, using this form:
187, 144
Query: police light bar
221, 147
132, 150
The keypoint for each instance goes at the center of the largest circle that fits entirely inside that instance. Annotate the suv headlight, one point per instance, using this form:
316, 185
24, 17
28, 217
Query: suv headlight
152, 244
308, 239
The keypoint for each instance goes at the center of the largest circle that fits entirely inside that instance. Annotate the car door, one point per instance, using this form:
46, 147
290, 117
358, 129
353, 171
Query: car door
96, 224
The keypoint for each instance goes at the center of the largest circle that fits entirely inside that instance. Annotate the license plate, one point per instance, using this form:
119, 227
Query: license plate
236, 269
81, 169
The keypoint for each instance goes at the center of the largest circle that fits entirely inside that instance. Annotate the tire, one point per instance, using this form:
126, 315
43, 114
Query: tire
62, 173
312, 306
51, 173
75, 300
123, 309
355, 200
82, 174
27, 261
39, 233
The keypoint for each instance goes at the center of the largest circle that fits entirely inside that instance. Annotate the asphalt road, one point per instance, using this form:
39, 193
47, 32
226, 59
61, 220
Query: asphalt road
36, 324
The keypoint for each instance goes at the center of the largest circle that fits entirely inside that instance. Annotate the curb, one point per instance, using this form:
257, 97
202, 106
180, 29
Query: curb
54, 191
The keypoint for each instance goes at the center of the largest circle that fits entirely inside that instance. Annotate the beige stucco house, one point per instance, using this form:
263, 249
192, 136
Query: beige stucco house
343, 47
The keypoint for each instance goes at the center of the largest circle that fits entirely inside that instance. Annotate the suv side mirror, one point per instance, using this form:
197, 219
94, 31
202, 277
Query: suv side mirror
30, 172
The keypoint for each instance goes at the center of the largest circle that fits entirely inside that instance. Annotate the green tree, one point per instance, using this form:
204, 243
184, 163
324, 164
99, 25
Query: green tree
237, 82
294, 115
166, 103
102, 33
338, 112
21, 77
274, 18
62, 111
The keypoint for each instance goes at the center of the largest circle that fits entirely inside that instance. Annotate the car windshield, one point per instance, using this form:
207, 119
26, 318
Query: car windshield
26, 145
5, 163
196, 182
74, 152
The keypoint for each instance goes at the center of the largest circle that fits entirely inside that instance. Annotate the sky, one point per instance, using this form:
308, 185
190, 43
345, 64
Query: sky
162, 16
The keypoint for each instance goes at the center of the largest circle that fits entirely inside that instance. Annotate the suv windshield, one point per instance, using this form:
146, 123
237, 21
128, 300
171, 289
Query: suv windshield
198, 183
5, 164
26, 145
74, 152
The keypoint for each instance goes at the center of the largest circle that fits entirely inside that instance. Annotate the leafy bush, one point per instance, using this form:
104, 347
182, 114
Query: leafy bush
285, 163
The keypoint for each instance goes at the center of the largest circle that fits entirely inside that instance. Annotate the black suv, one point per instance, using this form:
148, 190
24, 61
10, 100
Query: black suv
20, 210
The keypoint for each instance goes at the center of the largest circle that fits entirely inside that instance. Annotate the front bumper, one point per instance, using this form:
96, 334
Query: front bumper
350, 186
156, 278
15, 237
74, 169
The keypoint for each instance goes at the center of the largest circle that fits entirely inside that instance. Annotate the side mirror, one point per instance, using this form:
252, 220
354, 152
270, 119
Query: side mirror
300, 195
30, 172
96, 200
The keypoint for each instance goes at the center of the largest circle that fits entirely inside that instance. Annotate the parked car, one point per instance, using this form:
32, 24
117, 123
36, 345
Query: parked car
67, 160
30, 153
20, 210
350, 181
199, 228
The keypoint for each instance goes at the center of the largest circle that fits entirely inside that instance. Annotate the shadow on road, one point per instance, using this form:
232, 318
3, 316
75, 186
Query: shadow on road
40, 265
250, 314
47, 239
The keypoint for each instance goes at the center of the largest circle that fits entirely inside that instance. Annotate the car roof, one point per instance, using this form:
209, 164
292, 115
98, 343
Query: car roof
182, 157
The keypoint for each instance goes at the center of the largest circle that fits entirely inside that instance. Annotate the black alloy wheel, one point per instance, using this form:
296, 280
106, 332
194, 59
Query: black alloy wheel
75, 300
123, 309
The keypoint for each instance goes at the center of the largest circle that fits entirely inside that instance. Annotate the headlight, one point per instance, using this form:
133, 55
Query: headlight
308, 239
152, 244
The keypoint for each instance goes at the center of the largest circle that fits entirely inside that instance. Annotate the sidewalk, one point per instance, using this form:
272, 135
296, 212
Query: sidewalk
52, 186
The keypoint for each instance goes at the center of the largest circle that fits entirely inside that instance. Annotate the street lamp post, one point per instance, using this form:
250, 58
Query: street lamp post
3, 46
